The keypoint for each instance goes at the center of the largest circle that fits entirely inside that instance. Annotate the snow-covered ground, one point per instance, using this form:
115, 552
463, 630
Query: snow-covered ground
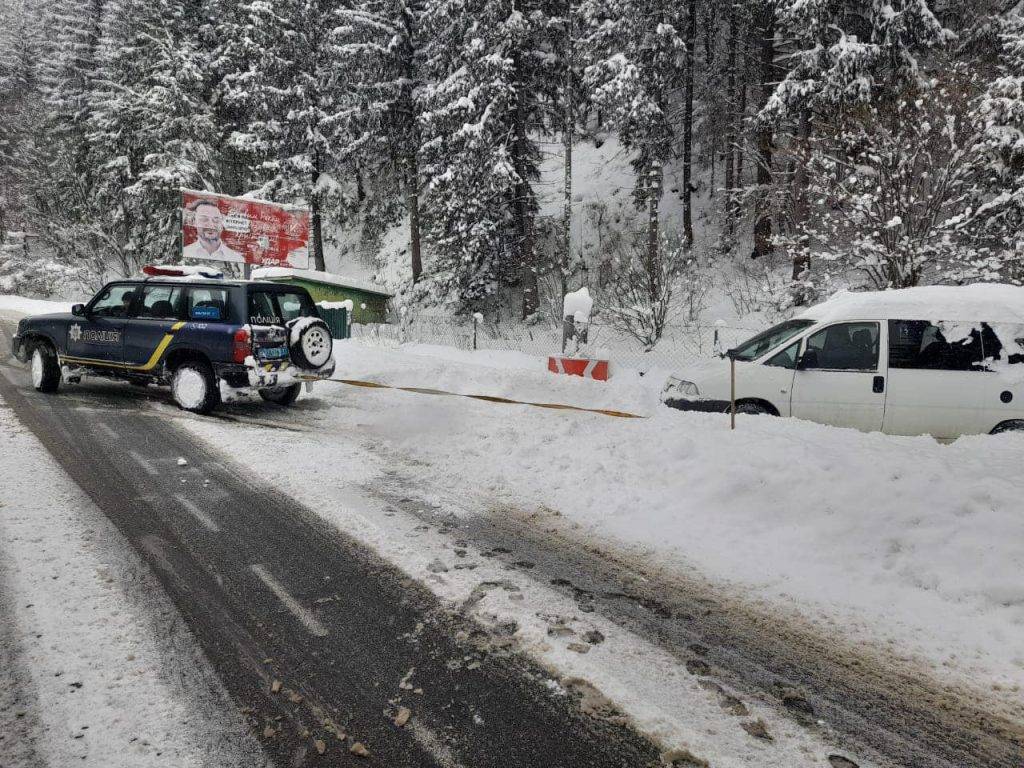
899, 544
896, 538
102, 672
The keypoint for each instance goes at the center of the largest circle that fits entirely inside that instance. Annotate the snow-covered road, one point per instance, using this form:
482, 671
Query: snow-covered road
845, 594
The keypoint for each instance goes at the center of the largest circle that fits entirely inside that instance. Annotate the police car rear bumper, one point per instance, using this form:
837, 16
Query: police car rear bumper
262, 375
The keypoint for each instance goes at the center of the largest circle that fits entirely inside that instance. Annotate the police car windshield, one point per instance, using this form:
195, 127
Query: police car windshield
279, 307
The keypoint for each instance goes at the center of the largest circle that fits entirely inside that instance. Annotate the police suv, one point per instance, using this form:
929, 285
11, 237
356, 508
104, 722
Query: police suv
195, 333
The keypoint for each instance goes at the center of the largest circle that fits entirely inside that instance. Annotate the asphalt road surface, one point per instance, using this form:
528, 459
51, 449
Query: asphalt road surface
272, 594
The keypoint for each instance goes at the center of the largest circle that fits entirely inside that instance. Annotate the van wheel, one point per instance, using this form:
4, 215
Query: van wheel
751, 409
45, 370
281, 395
194, 387
1016, 425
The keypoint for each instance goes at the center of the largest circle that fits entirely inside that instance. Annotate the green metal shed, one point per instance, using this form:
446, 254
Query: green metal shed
370, 302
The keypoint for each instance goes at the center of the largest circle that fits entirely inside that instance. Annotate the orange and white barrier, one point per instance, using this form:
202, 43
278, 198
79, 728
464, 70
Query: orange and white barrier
576, 366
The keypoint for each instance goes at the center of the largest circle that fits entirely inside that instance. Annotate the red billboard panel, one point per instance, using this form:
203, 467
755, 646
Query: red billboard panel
243, 231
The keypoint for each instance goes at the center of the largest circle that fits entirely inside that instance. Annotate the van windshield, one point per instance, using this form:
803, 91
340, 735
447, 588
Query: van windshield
768, 340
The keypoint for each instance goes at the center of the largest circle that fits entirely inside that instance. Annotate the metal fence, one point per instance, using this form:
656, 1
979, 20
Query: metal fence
681, 344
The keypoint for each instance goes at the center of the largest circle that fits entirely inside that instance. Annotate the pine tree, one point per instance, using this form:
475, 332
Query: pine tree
637, 60
151, 129
297, 103
479, 159
842, 54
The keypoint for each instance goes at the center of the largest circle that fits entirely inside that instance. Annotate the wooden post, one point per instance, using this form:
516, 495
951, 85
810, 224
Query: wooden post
732, 392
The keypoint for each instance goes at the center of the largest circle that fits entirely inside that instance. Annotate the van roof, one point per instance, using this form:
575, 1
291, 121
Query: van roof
982, 302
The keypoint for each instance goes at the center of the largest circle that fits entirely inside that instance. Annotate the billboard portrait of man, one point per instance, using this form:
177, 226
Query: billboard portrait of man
209, 245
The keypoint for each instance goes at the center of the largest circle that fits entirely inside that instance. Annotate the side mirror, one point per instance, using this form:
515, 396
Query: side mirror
78, 310
809, 359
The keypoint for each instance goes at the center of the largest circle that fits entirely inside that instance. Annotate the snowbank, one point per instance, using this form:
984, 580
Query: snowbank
495, 373
22, 306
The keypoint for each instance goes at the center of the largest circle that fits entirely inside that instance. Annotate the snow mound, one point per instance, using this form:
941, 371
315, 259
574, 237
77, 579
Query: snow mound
987, 302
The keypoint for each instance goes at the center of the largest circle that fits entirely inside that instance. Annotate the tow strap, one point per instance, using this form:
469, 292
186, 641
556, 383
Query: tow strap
490, 399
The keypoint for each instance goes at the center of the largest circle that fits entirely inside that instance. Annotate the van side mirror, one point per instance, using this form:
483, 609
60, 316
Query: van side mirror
809, 359
78, 310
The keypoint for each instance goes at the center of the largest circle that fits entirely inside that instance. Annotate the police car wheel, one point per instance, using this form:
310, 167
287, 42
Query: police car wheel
281, 395
194, 387
45, 370
312, 350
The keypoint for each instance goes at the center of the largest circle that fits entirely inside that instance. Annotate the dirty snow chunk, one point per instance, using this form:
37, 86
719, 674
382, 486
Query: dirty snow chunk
298, 326
578, 305
182, 461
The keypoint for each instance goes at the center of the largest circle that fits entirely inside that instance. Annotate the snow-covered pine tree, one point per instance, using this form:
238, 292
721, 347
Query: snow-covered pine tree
484, 63
21, 108
151, 126
297, 101
637, 60
841, 55
1000, 113
380, 52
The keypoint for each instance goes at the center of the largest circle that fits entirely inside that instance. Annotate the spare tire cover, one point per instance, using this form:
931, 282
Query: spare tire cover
310, 342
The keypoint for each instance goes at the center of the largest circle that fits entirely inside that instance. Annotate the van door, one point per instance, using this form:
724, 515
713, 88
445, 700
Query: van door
1001, 384
840, 379
934, 381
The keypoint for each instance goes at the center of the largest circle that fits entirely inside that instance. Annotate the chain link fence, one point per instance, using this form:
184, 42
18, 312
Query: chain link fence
680, 345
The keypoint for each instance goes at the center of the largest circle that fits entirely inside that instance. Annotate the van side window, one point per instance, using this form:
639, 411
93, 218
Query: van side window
844, 347
993, 347
786, 358
920, 345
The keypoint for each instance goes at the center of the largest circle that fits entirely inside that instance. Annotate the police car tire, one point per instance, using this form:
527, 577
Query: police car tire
317, 337
190, 374
45, 369
281, 395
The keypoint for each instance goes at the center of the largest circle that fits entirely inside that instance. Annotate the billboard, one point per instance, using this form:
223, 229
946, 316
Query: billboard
242, 231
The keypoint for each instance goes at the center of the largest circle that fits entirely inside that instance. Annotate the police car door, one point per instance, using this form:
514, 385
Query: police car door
98, 336
154, 322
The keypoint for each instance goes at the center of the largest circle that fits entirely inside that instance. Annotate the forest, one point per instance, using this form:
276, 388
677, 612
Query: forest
870, 143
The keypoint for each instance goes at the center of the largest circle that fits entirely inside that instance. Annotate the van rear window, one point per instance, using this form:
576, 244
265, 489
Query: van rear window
920, 345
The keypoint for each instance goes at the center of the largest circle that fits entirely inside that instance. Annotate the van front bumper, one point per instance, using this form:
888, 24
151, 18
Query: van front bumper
698, 404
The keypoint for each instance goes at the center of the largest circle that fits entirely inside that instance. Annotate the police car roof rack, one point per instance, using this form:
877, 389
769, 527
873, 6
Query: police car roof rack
182, 270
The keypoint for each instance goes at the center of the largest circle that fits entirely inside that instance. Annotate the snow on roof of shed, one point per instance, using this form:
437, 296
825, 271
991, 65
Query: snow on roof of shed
983, 302
312, 275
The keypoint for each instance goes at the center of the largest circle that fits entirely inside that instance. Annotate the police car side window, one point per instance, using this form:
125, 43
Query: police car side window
160, 302
208, 304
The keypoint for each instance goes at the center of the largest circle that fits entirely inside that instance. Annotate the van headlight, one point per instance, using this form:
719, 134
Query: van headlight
679, 388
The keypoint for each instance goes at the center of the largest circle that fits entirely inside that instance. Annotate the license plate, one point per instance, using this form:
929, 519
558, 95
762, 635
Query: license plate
273, 353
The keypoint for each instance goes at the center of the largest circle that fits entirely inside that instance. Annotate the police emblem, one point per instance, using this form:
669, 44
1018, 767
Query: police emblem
75, 333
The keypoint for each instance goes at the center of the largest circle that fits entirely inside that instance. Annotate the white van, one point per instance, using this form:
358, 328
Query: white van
943, 361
